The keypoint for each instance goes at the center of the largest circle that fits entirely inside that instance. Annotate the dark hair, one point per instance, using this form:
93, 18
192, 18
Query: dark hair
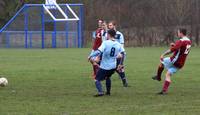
112, 32
113, 22
183, 31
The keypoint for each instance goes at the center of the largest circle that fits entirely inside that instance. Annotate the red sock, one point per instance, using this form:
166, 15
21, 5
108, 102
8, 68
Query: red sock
95, 69
166, 86
159, 72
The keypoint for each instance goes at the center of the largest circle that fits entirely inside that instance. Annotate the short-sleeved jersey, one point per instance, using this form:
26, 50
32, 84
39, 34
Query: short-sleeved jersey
119, 37
180, 50
97, 40
110, 50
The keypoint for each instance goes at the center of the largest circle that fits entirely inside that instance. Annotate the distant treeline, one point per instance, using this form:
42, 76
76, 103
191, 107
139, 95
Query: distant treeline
143, 22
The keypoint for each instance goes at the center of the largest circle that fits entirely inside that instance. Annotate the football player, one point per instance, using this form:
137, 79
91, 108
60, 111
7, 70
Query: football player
96, 43
180, 50
109, 50
119, 37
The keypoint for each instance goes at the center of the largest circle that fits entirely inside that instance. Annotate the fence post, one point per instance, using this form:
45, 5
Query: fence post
7, 40
30, 38
26, 27
80, 26
66, 30
43, 27
54, 35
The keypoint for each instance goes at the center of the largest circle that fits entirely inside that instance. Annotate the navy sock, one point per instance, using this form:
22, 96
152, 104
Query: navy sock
99, 87
108, 85
122, 75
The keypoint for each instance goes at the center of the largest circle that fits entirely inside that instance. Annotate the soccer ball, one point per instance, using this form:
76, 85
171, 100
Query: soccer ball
3, 82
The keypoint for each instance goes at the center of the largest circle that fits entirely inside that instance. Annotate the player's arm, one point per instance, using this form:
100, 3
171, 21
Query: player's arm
121, 64
93, 37
122, 40
173, 47
165, 53
97, 52
122, 58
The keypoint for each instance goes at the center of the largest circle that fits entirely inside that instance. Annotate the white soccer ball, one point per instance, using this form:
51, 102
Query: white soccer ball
3, 82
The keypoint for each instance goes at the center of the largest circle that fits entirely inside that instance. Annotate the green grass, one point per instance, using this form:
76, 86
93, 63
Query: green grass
58, 82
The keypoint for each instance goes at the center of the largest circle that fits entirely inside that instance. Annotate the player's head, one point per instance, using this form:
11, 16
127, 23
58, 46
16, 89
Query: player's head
111, 34
182, 32
104, 25
112, 25
100, 23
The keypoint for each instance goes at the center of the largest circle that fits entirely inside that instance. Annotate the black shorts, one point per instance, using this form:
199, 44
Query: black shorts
103, 74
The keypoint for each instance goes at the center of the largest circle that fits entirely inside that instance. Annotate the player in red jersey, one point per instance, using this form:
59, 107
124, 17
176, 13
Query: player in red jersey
96, 44
98, 40
180, 50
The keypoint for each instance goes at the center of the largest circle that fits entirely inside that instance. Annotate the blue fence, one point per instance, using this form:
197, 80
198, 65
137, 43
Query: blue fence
32, 27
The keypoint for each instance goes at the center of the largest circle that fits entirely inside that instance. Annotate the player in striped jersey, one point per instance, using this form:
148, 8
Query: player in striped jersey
104, 31
119, 37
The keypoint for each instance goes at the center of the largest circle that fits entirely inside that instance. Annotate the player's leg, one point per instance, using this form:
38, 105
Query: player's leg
108, 81
171, 70
99, 77
108, 86
95, 69
166, 83
122, 74
95, 65
159, 72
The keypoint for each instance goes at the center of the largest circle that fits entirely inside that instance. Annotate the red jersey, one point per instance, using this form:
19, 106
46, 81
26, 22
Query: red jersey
181, 50
98, 39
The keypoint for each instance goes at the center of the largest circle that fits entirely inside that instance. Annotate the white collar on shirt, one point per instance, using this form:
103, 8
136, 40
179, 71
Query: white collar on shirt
185, 39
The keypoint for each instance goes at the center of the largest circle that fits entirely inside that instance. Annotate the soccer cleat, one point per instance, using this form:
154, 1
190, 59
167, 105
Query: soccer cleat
108, 93
99, 95
156, 78
125, 84
162, 93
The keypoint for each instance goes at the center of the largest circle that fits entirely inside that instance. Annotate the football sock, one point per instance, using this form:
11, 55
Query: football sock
108, 85
96, 68
99, 87
122, 76
159, 72
93, 70
166, 86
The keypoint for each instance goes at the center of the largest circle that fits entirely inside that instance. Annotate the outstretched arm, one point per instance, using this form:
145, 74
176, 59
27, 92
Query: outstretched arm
173, 47
165, 53
96, 53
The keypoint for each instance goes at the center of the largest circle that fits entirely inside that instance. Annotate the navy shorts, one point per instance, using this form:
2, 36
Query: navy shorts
102, 74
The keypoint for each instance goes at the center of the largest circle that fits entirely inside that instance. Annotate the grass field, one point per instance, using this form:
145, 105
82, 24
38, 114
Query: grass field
58, 82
